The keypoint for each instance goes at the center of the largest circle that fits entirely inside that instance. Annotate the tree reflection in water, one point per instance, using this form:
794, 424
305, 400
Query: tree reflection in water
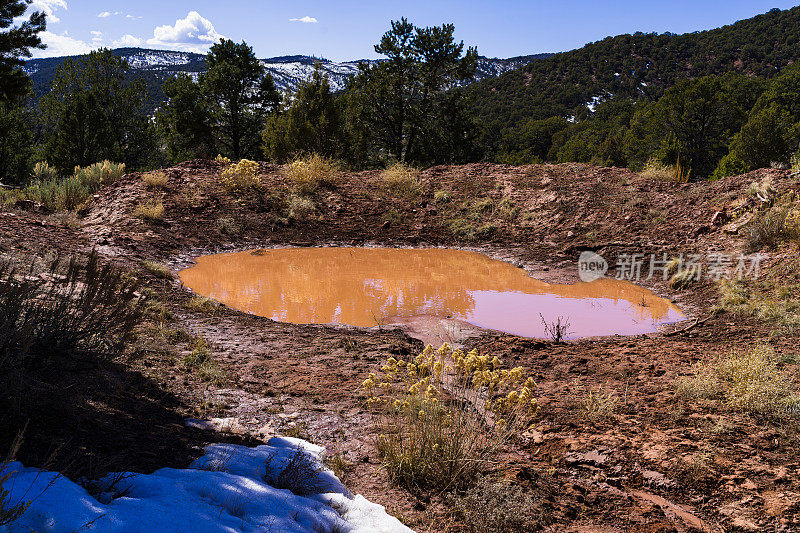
365, 286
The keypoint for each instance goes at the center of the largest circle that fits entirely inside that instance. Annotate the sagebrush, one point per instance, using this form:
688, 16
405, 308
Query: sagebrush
73, 308
441, 417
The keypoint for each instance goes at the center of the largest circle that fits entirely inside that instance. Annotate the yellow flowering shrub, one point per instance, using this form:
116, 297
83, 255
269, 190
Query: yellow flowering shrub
240, 177
306, 174
441, 416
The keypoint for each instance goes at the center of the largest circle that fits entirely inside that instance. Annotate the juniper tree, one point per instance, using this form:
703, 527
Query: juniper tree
310, 124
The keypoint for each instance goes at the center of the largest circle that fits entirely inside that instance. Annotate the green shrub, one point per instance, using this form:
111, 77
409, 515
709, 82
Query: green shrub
98, 174
56, 194
240, 177
74, 308
43, 171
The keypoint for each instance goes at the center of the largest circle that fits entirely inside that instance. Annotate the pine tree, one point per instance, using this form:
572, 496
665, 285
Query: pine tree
241, 94
405, 101
16, 43
184, 122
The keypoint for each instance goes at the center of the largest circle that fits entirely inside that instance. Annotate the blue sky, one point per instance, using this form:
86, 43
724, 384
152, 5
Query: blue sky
345, 30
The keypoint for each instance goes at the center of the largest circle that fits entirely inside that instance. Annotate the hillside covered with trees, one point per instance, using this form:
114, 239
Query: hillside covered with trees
633, 97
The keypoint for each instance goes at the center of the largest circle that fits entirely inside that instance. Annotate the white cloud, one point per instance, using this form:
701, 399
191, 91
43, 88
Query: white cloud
106, 14
49, 7
305, 20
193, 33
61, 45
97, 36
127, 40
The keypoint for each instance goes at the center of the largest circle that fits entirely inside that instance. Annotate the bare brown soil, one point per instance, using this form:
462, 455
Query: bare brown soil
657, 464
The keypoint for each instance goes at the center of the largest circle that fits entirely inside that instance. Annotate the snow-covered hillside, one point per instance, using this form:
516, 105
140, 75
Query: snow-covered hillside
286, 70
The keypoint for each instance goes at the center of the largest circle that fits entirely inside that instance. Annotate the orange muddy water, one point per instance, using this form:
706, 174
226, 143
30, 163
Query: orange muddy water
371, 286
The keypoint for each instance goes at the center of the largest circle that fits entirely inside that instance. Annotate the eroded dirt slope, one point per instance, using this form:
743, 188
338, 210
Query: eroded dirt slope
656, 464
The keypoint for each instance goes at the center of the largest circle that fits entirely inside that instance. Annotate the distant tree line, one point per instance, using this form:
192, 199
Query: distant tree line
716, 103
398, 109
721, 101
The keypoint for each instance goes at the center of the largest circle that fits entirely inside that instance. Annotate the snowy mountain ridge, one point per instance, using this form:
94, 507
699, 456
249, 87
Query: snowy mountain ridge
287, 71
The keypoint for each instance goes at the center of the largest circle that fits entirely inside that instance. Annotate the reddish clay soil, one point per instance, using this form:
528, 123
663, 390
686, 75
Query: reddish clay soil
657, 464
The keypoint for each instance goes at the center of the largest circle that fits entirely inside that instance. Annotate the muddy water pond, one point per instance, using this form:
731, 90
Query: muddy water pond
372, 286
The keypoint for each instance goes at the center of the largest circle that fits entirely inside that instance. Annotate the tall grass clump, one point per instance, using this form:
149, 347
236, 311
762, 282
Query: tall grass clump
403, 180
442, 416
748, 381
307, 174
239, 177
10, 511
770, 228
44, 171
73, 308
655, 169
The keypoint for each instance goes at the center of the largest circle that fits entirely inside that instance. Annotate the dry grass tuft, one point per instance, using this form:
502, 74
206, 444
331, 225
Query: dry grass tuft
654, 169
228, 226
158, 270
300, 207
307, 174
149, 210
748, 381
599, 404
492, 506
202, 304
200, 360
155, 180
403, 180
299, 474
